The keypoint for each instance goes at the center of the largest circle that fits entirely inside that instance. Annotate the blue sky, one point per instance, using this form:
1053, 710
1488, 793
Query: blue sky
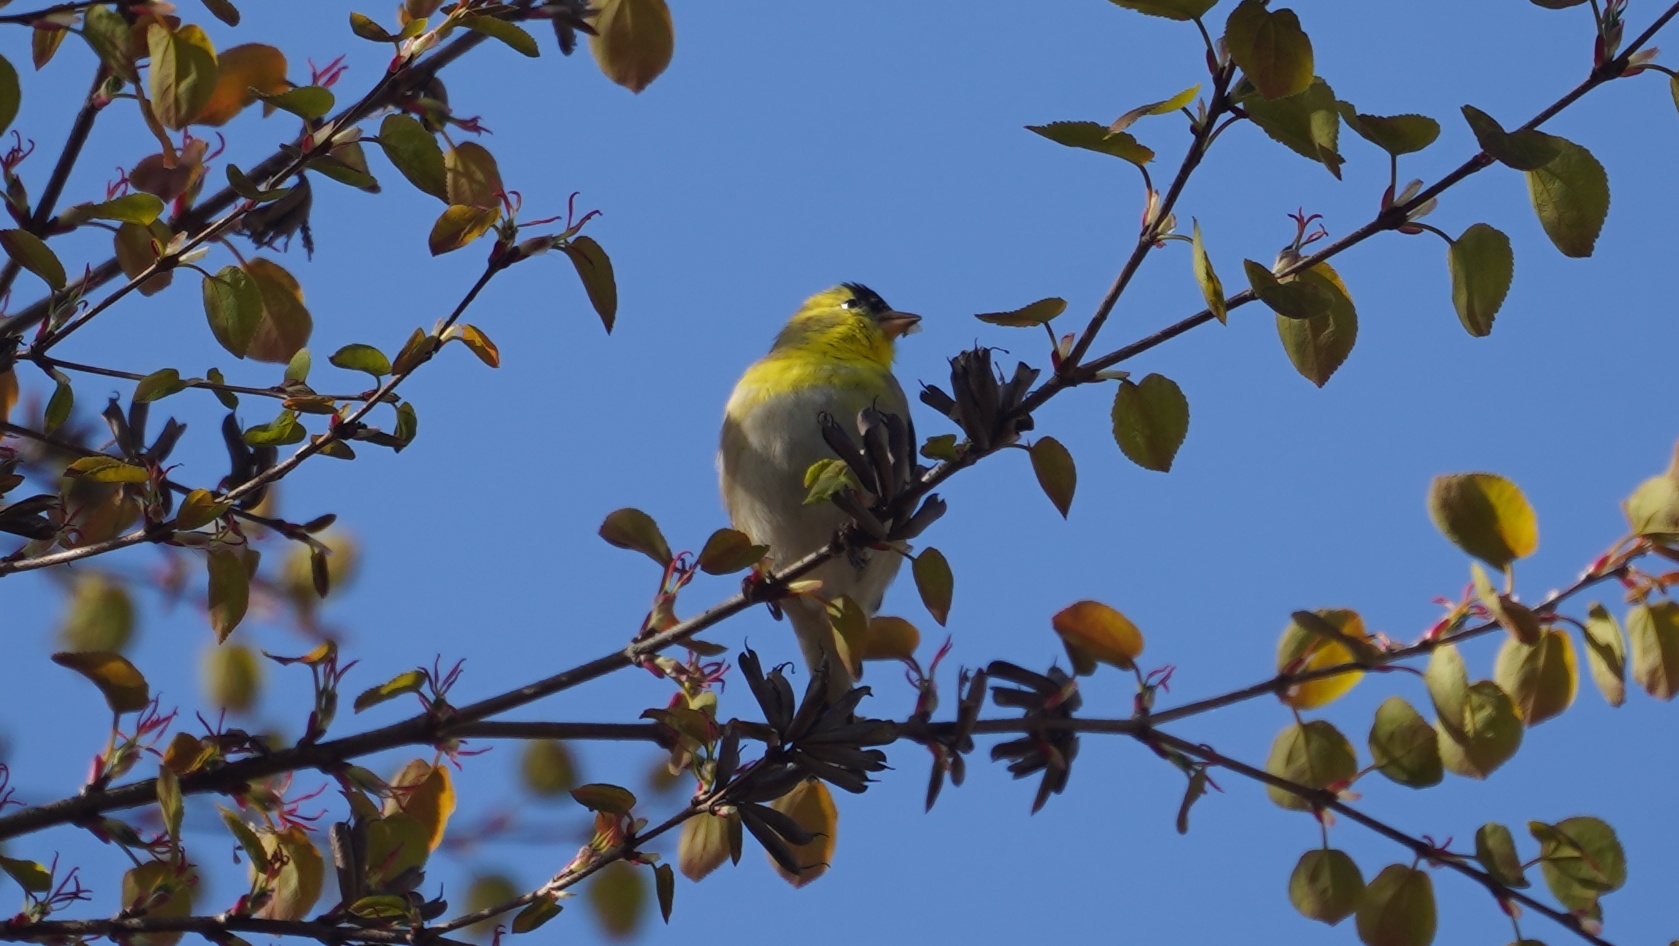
790, 147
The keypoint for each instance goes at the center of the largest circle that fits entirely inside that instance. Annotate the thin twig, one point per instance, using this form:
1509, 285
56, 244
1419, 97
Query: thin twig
1322, 798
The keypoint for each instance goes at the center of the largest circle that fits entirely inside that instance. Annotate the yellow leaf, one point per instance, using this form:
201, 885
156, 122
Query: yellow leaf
633, 42
812, 806
242, 69
1300, 650
890, 638
428, 794
1100, 632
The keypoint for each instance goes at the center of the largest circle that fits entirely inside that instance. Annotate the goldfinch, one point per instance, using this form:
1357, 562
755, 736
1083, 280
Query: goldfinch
834, 356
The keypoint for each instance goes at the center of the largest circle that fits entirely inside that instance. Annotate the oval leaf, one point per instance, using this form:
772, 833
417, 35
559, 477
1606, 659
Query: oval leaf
1485, 515
1403, 746
594, 268
1482, 266
1398, 908
1571, 195
1326, 886
1320, 344
1654, 631
635, 530
1100, 633
1270, 47
633, 41
1036, 313
121, 682
1053, 466
1150, 421
1312, 755
935, 583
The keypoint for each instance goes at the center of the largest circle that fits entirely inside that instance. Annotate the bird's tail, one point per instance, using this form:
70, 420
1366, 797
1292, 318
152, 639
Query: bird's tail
816, 639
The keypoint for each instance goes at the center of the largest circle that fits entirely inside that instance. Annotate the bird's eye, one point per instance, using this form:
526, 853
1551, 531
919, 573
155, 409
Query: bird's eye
849, 303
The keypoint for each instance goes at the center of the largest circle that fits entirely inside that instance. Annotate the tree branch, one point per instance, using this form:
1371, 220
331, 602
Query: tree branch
1322, 798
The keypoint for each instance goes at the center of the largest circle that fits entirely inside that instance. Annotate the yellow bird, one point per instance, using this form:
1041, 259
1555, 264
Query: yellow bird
833, 356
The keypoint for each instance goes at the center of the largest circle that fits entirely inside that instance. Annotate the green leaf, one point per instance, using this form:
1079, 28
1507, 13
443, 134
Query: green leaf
510, 33
1485, 515
182, 73
1398, 908
471, 176
729, 551
407, 423
1490, 734
158, 385
255, 853
1272, 50
594, 268
357, 357
459, 225
826, 479
308, 102
230, 590
1036, 313
541, 910
1211, 289
1093, 136
1294, 299
1163, 107
27, 250
11, 94
122, 684
612, 799
1307, 123
1403, 746
1395, 134
411, 681
1606, 654
635, 530
1496, 850
169, 801
415, 153
1319, 345
1447, 679
1521, 150
940, 447
1482, 266
1581, 859
59, 405
1652, 510
934, 582
248, 189
1654, 631
29, 875
233, 304
1053, 466
1571, 195
1170, 9
199, 508
103, 469
664, 880
1326, 886
367, 28
1541, 678
223, 10
111, 38
1150, 421
633, 41
138, 208
1313, 755
282, 430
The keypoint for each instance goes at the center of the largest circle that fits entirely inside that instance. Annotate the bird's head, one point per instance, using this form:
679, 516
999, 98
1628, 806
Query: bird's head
849, 321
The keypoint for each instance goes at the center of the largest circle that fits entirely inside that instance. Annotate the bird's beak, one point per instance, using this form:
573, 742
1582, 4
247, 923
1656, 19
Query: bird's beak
896, 323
